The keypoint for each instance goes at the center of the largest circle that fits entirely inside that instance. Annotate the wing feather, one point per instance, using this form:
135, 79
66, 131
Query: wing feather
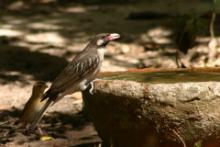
74, 72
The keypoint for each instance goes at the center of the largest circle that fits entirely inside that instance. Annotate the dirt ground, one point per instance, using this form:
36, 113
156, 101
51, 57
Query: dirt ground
38, 39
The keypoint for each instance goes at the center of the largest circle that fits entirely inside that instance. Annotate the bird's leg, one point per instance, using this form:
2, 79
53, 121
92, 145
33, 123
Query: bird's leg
179, 63
83, 85
40, 131
92, 86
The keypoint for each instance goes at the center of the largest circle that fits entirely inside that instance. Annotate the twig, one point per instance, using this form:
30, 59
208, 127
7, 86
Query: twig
2, 123
180, 138
212, 23
213, 41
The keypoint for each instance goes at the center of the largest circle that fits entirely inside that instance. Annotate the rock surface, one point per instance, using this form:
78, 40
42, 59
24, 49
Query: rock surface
137, 114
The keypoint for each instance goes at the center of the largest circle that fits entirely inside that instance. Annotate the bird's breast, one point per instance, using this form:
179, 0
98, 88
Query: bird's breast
101, 53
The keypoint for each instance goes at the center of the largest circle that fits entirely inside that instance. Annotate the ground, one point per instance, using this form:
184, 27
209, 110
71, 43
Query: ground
38, 39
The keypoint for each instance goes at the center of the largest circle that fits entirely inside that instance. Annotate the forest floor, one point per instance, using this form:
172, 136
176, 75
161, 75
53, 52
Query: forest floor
38, 40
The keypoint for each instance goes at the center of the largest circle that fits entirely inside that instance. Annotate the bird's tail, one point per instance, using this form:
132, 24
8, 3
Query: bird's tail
40, 114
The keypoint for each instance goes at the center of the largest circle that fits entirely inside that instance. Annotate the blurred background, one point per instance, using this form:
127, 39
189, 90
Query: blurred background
39, 37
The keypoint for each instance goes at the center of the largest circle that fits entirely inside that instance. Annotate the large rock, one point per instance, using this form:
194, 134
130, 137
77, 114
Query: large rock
156, 107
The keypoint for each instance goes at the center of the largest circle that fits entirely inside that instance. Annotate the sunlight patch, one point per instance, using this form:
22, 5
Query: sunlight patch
10, 33
47, 37
37, 25
77, 9
157, 35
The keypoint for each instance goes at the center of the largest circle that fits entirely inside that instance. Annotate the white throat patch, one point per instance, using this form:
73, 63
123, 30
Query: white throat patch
99, 42
101, 53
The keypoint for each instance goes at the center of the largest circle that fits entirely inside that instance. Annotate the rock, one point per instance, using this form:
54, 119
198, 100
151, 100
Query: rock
154, 107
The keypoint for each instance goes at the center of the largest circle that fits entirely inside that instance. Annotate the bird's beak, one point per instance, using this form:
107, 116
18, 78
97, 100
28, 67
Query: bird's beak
113, 36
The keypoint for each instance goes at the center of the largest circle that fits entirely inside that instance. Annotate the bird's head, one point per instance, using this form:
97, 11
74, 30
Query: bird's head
39, 87
101, 40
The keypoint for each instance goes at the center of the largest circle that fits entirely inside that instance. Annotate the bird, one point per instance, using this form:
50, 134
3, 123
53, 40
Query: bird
186, 29
78, 74
34, 103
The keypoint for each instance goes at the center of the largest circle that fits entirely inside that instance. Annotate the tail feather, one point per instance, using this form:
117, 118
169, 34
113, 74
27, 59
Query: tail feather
49, 94
39, 115
46, 95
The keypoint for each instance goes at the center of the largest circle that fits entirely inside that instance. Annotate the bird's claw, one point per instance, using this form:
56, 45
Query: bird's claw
92, 86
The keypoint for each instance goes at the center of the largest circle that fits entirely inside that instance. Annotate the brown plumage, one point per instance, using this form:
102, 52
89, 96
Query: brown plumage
34, 103
77, 74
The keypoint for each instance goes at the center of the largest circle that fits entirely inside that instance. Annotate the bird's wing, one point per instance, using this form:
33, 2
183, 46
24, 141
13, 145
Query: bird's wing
74, 72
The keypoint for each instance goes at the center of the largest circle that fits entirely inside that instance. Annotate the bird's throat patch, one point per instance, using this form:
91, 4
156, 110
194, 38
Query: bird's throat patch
99, 42
101, 52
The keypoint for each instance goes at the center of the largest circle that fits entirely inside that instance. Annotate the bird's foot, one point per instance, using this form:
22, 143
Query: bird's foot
91, 89
40, 131
92, 86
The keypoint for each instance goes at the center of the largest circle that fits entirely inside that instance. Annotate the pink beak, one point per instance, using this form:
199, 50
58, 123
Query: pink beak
113, 36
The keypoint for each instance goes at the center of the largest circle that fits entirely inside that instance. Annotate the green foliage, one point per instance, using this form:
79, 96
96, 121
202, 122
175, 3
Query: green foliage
108, 1
188, 23
217, 3
198, 143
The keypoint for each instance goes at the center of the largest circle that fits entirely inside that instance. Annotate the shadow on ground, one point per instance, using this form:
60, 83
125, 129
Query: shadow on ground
71, 129
67, 26
16, 62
